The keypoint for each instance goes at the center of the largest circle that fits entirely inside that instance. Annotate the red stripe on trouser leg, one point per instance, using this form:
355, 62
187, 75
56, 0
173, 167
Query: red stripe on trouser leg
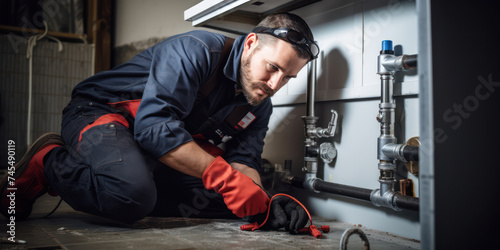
108, 118
130, 106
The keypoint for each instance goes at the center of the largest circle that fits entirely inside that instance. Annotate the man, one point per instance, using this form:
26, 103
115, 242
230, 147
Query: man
139, 140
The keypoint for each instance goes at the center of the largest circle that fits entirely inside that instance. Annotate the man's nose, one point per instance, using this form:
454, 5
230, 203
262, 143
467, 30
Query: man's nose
275, 81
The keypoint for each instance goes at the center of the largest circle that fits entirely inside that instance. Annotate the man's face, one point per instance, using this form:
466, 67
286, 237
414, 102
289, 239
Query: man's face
267, 69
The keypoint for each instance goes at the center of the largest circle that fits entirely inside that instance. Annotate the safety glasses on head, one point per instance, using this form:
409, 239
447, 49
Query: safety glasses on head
291, 36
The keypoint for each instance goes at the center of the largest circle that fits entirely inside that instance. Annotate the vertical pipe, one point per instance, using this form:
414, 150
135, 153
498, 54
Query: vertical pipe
310, 161
426, 115
387, 107
384, 196
311, 88
387, 88
386, 119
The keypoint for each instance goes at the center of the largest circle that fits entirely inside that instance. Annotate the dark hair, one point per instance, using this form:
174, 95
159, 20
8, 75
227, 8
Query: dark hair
289, 21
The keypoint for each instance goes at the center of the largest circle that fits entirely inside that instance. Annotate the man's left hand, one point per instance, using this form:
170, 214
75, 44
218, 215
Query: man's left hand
287, 213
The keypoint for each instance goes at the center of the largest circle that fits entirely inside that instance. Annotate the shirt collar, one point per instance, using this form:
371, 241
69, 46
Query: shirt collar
232, 67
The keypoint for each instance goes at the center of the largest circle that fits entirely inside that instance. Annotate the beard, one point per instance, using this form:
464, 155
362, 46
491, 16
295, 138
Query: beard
249, 86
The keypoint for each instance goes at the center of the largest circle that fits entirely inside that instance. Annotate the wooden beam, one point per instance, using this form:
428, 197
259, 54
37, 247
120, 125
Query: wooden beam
100, 30
30, 31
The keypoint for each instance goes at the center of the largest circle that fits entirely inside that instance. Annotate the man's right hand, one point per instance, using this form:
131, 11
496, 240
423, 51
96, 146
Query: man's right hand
241, 195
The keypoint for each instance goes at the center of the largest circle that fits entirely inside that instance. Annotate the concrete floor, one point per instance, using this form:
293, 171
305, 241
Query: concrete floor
69, 229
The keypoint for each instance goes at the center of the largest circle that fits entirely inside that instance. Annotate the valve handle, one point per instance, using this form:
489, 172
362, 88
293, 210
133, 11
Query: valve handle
332, 125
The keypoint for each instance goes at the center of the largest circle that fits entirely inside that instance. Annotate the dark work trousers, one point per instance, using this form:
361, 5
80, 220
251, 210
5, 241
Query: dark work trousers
103, 171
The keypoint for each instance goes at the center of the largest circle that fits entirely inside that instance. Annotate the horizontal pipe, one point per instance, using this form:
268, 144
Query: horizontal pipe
295, 181
410, 61
407, 202
410, 153
329, 187
344, 190
402, 201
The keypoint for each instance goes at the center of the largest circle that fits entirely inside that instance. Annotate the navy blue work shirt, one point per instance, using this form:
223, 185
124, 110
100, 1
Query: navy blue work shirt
158, 88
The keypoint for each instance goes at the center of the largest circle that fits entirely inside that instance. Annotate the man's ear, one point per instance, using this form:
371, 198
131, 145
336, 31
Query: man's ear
250, 43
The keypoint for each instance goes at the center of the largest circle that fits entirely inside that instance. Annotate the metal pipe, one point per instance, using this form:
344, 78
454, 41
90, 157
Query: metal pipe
311, 88
318, 185
329, 187
326, 151
407, 202
387, 88
410, 61
309, 119
344, 190
411, 153
385, 195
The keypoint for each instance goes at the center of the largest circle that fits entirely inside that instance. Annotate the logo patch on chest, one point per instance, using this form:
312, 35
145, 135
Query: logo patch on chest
249, 118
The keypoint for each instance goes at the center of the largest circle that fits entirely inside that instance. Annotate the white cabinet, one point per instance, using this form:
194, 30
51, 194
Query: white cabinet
237, 16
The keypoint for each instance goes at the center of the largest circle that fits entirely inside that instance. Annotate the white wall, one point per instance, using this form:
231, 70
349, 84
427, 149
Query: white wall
138, 20
356, 162
350, 34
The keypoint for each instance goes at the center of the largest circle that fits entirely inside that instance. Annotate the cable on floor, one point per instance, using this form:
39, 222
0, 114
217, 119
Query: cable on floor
312, 229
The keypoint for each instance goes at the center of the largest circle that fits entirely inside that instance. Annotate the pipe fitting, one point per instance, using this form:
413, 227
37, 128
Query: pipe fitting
309, 182
394, 151
309, 130
401, 152
327, 152
381, 69
312, 152
332, 126
399, 63
387, 169
311, 165
382, 141
388, 183
313, 132
394, 63
387, 199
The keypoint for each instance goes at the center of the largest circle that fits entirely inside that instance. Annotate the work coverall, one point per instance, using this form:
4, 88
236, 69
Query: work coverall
120, 122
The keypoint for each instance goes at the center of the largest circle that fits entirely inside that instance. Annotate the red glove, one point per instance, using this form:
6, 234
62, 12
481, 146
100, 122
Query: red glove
241, 195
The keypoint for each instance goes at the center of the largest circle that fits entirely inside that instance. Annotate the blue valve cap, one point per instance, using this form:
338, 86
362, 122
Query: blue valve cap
387, 45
